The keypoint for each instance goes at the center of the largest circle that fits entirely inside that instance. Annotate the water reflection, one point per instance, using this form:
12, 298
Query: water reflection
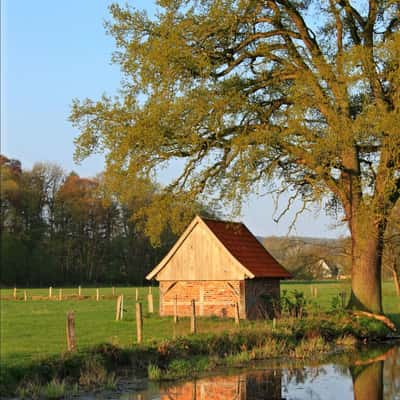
238, 387
370, 376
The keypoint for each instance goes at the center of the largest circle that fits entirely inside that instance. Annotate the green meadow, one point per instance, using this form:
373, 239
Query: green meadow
35, 329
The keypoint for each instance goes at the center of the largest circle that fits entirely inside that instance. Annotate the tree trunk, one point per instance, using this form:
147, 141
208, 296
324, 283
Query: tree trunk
366, 292
396, 279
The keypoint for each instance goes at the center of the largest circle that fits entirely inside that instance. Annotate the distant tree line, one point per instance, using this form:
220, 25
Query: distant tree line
62, 229
302, 255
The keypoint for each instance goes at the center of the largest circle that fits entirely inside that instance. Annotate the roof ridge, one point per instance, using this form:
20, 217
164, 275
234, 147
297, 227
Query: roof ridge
220, 220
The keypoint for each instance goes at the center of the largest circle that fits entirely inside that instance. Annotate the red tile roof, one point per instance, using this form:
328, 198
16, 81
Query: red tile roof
245, 247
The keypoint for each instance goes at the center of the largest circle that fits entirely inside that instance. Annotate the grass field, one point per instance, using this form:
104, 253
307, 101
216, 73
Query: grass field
36, 329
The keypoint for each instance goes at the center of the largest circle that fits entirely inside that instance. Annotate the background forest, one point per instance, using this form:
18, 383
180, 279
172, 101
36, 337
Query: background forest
62, 229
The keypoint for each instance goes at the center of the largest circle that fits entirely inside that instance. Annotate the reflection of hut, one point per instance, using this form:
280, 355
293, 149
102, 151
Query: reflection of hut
258, 385
218, 264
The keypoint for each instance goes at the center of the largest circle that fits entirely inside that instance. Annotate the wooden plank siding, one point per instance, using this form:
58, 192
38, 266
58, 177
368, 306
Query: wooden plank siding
257, 293
201, 257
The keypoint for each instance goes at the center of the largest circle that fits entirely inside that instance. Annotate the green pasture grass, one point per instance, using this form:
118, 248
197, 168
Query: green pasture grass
35, 329
327, 290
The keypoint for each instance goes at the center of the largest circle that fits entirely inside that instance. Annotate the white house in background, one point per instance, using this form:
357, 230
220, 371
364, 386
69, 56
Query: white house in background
326, 269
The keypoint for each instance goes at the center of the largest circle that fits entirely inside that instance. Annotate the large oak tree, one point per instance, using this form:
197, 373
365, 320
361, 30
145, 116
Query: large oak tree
251, 92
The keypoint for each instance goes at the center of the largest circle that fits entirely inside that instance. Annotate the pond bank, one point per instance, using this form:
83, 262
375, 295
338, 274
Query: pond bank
189, 356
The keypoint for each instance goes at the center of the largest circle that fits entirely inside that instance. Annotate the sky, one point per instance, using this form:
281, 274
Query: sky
55, 51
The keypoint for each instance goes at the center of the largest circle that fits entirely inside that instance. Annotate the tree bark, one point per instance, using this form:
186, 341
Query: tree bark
396, 279
366, 291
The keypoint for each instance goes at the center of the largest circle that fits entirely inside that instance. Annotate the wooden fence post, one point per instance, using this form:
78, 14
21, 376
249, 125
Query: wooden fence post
176, 310
113, 291
150, 302
121, 309
50, 292
315, 292
343, 297
139, 322
237, 316
274, 323
193, 318
118, 311
79, 291
97, 294
25, 296
136, 294
71, 343
15, 293
60, 294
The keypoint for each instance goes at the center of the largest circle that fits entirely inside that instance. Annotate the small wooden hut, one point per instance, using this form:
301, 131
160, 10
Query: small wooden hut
218, 264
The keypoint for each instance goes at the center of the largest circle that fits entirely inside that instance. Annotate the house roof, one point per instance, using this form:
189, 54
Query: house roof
252, 258
246, 248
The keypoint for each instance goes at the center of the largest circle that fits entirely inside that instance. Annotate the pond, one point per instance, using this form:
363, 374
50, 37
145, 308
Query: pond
372, 374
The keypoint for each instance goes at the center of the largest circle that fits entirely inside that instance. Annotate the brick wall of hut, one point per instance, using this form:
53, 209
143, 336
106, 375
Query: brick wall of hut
211, 297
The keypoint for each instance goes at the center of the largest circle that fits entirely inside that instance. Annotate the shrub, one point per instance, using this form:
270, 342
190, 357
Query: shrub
93, 372
154, 372
54, 389
310, 347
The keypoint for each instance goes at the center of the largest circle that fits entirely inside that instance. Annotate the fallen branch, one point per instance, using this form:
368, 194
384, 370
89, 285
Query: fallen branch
378, 317
381, 357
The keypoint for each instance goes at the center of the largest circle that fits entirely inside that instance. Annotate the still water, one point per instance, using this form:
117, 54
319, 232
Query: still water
368, 375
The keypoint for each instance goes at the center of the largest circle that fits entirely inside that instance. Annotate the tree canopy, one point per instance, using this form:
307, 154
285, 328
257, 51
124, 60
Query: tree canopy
247, 93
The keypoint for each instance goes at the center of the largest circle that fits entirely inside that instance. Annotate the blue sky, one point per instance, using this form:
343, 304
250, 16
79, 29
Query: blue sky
54, 51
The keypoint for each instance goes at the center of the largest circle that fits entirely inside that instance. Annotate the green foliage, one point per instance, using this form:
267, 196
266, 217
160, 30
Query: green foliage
310, 348
154, 372
93, 372
54, 390
238, 108
293, 304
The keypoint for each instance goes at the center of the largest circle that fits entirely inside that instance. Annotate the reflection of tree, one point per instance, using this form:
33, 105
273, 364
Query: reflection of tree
300, 375
391, 374
368, 381
367, 375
